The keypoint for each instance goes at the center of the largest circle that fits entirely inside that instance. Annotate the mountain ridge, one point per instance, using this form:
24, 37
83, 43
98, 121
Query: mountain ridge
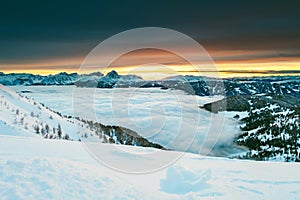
198, 85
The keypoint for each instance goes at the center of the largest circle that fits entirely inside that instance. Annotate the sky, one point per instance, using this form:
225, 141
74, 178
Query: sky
244, 38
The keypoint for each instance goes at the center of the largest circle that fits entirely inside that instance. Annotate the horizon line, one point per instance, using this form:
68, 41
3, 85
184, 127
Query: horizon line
255, 73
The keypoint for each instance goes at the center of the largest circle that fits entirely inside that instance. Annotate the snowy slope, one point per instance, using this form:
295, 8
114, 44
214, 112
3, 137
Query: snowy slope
25, 115
269, 125
21, 115
32, 168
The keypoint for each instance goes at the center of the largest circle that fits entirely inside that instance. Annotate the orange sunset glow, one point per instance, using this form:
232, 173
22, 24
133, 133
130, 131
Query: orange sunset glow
148, 63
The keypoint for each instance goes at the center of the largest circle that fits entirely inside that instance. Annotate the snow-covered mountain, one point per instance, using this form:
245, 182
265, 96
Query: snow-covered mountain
203, 86
62, 78
30, 79
270, 128
197, 85
113, 79
19, 114
96, 79
34, 168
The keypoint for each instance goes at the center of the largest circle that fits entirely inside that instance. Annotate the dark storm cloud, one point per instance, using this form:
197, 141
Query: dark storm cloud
31, 30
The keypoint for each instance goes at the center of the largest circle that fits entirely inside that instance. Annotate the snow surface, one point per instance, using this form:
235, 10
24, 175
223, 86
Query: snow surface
33, 168
167, 117
20, 115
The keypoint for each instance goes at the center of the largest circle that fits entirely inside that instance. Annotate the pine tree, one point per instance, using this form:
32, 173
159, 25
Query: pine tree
37, 129
43, 131
59, 132
47, 128
66, 137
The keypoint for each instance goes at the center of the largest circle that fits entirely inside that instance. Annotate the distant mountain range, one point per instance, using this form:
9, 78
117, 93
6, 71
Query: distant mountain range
270, 129
202, 86
62, 78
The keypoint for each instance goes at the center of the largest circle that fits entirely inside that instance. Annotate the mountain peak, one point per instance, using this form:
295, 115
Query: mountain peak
113, 75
